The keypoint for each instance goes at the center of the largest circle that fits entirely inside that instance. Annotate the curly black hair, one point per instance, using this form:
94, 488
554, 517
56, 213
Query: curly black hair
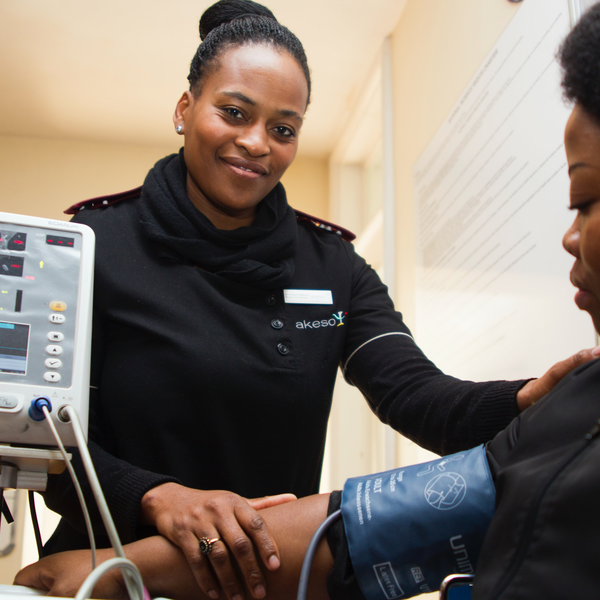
232, 23
579, 57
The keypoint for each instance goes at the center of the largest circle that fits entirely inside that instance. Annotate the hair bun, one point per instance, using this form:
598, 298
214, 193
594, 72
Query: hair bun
225, 11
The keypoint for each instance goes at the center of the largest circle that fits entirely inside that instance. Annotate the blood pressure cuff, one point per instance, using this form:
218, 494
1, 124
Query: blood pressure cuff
409, 528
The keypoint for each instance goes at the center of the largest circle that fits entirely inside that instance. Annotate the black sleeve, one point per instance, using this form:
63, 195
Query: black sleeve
123, 484
341, 581
404, 388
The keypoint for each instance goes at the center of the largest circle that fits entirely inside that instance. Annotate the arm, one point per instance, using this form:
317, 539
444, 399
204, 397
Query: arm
184, 516
400, 504
166, 572
407, 391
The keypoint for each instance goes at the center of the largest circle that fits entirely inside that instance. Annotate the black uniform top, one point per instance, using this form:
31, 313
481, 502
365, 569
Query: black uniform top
223, 385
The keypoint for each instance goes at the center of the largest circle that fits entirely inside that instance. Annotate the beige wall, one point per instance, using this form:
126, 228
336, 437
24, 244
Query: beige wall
307, 185
42, 177
436, 48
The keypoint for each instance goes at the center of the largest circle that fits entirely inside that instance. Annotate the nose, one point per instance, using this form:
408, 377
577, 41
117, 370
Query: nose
571, 238
255, 140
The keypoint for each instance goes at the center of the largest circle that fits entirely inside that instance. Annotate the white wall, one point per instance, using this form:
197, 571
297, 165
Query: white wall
436, 48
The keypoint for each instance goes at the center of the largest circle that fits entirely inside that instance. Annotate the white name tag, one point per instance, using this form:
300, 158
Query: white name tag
307, 296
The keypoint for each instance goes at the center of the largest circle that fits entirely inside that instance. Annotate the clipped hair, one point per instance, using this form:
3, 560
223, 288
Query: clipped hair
579, 57
231, 23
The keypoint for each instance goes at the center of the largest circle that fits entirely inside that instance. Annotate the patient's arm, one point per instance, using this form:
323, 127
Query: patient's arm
165, 570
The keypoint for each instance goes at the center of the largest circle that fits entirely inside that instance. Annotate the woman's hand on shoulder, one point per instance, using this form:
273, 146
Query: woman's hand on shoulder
536, 389
230, 528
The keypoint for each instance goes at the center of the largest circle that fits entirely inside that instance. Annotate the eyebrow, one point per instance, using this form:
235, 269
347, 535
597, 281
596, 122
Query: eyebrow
241, 97
292, 114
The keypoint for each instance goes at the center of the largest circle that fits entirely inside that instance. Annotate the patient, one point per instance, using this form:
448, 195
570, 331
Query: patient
542, 541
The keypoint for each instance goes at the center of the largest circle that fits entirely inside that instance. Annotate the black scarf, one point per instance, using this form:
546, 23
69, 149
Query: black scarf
261, 254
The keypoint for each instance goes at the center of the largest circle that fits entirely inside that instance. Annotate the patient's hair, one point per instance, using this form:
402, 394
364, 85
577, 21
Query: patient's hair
579, 58
231, 23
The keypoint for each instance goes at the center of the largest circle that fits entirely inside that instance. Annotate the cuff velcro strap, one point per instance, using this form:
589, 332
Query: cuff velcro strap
409, 528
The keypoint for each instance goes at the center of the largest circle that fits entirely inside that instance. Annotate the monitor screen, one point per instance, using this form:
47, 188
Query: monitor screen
14, 339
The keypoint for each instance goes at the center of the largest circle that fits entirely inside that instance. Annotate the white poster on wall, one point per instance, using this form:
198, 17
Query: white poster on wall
491, 192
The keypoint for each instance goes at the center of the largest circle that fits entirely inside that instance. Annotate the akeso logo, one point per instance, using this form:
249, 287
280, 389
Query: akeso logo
336, 320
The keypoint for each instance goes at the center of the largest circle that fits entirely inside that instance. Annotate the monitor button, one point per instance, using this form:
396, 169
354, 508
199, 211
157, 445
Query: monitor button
53, 363
7, 401
52, 377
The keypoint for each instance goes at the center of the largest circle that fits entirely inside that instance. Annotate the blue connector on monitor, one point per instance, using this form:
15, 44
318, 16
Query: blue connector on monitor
35, 410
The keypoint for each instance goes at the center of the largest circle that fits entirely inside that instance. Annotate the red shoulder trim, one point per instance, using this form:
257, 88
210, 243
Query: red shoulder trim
345, 234
103, 201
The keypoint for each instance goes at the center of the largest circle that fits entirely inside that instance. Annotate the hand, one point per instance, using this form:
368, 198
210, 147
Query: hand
62, 575
184, 515
537, 388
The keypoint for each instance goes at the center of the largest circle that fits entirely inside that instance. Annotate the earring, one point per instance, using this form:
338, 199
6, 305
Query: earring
179, 129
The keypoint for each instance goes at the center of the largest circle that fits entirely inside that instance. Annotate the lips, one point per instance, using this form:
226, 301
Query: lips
241, 165
583, 296
576, 281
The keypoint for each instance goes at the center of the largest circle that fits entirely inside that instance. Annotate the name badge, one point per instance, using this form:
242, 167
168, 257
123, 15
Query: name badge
307, 297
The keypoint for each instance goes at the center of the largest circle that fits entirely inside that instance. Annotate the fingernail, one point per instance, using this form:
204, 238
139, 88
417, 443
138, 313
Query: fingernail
273, 562
596, 351
259, 591
213, 594
238, 597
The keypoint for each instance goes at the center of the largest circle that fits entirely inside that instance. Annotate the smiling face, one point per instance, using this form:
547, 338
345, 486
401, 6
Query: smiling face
582, 240
241, 131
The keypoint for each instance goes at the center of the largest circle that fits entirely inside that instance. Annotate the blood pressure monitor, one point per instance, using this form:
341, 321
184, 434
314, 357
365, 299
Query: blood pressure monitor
46, 280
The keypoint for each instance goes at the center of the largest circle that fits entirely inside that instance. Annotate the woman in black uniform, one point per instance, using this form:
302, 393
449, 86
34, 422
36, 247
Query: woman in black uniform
221, 316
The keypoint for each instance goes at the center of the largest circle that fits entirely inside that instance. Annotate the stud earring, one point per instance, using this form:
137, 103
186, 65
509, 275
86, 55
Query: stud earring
179, 129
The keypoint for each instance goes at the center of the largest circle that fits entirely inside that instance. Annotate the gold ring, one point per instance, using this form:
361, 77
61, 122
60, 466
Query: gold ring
206, 545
